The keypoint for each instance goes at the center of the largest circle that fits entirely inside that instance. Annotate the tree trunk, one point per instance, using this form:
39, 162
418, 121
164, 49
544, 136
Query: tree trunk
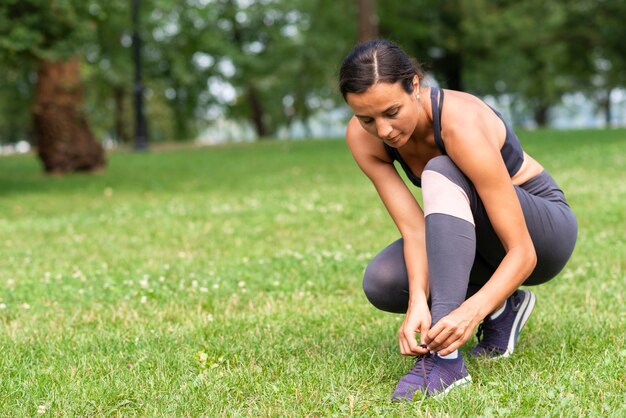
452, 67
541, 115
121, 131
258, 114
607, 109
368, 20
64, 140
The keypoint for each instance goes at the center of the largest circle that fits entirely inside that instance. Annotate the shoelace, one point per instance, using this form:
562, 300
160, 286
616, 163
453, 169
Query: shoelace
423, 365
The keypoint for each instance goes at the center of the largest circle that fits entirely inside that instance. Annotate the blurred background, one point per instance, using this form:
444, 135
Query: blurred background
80, 76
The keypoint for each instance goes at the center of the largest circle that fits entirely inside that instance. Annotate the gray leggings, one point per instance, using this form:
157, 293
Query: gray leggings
462, 257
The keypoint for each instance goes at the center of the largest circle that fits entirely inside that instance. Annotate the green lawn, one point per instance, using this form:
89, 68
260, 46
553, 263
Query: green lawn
227, 282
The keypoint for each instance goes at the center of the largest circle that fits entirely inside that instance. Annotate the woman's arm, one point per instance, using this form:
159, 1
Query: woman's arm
470, 144
371, 157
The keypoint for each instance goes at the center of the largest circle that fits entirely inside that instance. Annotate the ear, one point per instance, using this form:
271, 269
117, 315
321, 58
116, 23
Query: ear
416, 83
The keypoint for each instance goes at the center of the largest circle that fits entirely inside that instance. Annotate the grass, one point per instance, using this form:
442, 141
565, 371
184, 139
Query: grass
226, 282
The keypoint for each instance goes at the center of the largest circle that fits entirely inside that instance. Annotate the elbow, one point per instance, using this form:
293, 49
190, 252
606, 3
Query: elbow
526, 258
531, 259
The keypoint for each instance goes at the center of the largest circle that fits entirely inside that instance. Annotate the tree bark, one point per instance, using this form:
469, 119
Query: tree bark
541, 115
452, 67
368, 20
64, 139
258, 115
608, 114
121, 131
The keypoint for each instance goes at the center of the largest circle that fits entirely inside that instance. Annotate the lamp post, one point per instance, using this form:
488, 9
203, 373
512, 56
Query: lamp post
141, 137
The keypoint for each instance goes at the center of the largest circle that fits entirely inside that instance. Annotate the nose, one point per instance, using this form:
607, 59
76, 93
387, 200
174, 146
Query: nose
383, 129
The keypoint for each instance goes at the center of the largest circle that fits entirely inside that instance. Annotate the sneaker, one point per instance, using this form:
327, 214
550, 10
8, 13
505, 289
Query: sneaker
497, 337
432, 376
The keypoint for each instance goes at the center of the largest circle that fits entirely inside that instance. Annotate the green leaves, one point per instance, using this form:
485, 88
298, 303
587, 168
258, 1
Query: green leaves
273, 64
20, 39
44, 29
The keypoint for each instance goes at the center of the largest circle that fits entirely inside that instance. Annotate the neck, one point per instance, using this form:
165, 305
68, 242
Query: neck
424, 126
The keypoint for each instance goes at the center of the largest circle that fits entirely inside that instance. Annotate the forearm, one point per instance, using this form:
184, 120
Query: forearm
417, 267
516, 266
417, 318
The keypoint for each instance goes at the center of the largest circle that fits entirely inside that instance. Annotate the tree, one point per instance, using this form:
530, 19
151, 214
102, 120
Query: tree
48, 34
16, 95
520, 49
598, 55
432, 32
110, 70
534, 51
281, 57
368, 20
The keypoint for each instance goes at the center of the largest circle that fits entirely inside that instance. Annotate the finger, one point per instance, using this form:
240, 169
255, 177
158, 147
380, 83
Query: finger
455, 336
448, 346
422, 349
432, 333
413, 345
404, 348
424, 335
455, 345
435, 343
411, 341
437, 347
407, 351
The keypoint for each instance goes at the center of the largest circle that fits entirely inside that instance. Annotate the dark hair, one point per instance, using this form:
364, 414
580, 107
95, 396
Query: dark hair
376, 61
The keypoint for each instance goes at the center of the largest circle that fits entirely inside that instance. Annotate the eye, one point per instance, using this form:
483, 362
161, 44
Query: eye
367, 121
393, 113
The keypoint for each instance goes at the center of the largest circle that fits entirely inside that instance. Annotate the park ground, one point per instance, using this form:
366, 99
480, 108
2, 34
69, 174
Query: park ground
225, 281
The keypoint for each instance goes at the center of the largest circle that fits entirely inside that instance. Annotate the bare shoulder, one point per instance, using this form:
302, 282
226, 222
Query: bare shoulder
465, 115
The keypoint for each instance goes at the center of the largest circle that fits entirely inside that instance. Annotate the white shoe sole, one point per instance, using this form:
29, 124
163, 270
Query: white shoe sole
526, 309
467, 379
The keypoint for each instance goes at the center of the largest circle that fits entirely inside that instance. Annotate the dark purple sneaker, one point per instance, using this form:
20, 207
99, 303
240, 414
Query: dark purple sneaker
432, 376
497, 337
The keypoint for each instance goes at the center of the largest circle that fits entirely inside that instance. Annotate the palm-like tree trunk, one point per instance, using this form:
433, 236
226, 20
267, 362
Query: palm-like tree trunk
64, 140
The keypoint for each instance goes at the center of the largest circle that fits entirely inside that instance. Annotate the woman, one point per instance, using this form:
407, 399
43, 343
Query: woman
493, 218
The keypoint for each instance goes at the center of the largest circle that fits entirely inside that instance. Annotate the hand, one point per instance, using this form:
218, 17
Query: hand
417, 320
453, 330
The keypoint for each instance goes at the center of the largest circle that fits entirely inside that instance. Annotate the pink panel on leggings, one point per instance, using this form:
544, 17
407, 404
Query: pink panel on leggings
443, 196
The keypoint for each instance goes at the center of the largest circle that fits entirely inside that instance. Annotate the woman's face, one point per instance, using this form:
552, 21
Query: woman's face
386, 111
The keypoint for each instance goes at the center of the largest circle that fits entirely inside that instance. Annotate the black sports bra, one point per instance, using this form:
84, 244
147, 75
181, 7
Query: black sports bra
511, 151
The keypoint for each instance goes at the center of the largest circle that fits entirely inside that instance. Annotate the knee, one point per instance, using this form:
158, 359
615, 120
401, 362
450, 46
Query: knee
443, 169
446, 190
373, 283
382, 285
442, 164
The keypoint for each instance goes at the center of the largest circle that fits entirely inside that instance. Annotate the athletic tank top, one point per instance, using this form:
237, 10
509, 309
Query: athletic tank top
511, 150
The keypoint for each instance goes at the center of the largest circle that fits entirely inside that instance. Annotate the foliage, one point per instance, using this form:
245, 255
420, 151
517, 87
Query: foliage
33, 30
599, 53
16, 90
533, 50
274, 63
432, 32
277, 56
44, 30
226, 282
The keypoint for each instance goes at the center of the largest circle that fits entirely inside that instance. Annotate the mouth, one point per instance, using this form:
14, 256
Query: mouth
394, 139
